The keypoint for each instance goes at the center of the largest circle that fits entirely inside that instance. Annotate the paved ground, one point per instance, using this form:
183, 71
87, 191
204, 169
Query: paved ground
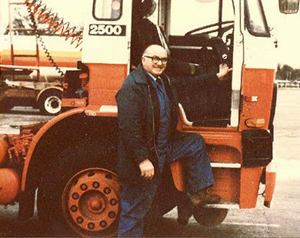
281, 221
10, 122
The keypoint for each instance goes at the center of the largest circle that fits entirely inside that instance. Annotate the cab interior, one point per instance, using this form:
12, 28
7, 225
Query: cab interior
206, 43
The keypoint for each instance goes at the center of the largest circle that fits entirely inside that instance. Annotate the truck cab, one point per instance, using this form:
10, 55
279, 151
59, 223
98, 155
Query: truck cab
71, 160
234, 117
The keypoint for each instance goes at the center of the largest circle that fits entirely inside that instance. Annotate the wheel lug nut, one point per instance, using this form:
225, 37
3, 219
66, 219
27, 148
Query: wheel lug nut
96, 185
113, 202
91, 225
107, 190
75, 196
79, 220
112, 214
73, 208
83, 187
103, 223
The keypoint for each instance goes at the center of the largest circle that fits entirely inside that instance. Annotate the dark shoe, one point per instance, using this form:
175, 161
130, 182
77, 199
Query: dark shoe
185, 211
202, 197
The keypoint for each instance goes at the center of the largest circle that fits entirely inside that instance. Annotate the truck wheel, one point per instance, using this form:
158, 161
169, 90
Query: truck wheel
80, 193
50, 102
209, 216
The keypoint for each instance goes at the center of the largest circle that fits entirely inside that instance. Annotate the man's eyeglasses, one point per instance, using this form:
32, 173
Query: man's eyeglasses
156, 59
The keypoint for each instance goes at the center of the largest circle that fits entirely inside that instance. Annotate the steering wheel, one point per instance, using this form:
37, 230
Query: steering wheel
221, 49
221, 28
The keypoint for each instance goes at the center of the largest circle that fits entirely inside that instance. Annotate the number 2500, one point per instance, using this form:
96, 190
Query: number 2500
108, 30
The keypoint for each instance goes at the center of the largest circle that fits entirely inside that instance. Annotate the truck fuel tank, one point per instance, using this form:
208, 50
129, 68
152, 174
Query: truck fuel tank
9, 185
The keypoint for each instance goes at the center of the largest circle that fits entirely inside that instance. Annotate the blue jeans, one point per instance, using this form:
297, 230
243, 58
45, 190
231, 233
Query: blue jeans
137, 200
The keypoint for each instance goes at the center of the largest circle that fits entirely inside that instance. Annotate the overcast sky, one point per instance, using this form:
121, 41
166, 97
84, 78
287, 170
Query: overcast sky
287, 29
289, 39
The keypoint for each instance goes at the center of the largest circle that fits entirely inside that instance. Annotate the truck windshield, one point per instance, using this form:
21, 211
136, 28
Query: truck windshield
107, 9
255, 18
186, 16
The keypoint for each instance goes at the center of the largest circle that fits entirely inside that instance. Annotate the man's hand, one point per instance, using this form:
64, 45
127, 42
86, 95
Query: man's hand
147, 169
223, 71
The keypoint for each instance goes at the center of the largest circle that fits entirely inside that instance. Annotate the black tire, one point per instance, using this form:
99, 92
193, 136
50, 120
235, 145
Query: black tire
51, 189
50, 102
209, 216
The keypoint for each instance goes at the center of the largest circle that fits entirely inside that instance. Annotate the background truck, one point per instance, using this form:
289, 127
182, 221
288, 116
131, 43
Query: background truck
32, 60
71, 160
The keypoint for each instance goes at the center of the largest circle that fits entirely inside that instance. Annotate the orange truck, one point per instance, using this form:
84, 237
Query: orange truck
33, 60
71, 160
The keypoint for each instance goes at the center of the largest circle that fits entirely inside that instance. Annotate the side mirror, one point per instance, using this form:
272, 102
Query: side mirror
288, 6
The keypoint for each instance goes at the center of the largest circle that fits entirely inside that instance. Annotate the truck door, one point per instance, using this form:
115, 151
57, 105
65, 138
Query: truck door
203, 34
259, 66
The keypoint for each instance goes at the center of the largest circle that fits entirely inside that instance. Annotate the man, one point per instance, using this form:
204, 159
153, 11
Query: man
147, 114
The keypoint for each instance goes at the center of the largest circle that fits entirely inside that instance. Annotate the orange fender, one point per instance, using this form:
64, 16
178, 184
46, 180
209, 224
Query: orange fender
270, 185
27, 193
39, 135
249, 184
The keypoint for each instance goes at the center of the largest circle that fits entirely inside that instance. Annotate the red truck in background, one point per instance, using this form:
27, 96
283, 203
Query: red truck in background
33, 59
